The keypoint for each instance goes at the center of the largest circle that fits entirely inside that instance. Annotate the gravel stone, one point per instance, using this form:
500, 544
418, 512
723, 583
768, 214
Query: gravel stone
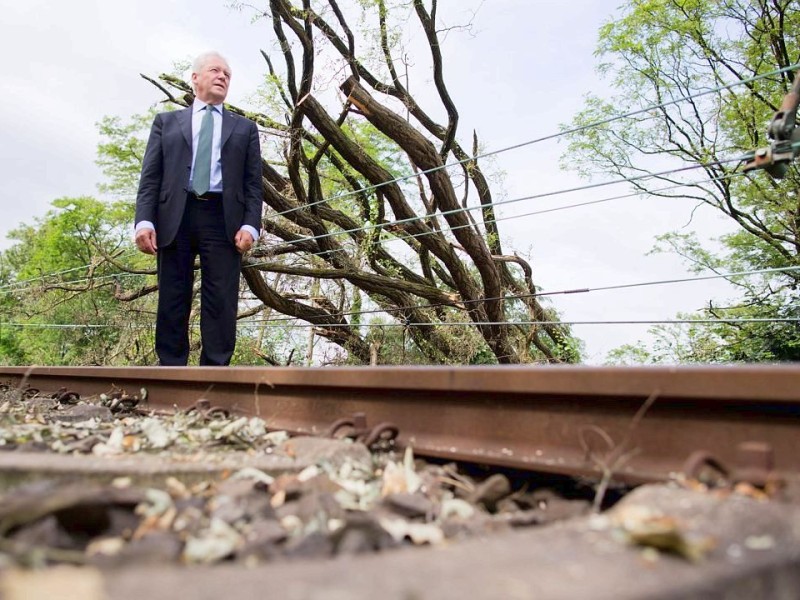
82, 412
412, 506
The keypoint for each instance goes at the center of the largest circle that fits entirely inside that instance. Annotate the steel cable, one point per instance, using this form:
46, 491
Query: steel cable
499, 151
549, 137
731, 321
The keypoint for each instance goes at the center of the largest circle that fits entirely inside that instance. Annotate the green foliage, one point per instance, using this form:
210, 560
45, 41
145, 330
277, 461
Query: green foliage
121, 152
658, 54
11, 352
772, 341
70, 235
62, 300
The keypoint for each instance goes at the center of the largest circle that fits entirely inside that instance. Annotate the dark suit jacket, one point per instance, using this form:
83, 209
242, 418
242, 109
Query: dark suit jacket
168, 163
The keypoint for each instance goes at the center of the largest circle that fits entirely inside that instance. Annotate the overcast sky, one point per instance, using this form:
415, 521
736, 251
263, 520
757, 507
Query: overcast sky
522, 73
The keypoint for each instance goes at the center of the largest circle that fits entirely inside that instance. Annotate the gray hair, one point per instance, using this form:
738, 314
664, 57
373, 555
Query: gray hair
201, 60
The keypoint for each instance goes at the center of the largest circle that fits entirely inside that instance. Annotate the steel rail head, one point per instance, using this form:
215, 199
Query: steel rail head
745, 419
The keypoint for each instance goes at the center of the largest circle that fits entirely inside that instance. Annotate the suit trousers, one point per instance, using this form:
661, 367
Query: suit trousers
201, 233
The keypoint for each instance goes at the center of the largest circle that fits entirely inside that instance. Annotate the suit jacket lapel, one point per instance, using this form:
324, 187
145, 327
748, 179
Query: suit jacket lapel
185, 119
228, 124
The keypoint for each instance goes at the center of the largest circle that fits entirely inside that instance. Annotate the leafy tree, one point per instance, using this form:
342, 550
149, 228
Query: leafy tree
121, 151
11, 351
663, 53
768, 341
65, 288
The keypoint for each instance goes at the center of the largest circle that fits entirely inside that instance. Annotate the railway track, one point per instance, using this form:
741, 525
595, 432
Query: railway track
633, 424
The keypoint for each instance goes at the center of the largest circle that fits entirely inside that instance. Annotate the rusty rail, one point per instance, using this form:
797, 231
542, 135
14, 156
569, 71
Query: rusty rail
641, 424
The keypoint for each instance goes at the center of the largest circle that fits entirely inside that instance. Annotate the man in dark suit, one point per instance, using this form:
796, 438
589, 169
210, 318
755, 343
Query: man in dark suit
200, 193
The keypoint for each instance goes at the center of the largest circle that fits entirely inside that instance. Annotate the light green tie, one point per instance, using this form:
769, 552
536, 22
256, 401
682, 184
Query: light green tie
201, 180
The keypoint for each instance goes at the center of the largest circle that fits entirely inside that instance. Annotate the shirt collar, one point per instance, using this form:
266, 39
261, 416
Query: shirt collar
198, 105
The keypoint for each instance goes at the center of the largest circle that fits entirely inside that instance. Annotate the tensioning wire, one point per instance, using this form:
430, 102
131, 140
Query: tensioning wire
558, 292
732, 321
13, 287
499, 151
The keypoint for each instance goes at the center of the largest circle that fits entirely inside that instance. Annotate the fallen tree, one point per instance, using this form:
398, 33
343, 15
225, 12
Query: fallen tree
335, 205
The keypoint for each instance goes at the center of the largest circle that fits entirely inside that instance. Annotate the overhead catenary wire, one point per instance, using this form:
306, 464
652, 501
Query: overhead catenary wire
383, 226
551, 136
13, 287
618, 197
535, 196
501, 150
498, 151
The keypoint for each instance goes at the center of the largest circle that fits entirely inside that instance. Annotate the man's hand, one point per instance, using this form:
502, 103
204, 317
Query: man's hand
243, 241
146, 241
